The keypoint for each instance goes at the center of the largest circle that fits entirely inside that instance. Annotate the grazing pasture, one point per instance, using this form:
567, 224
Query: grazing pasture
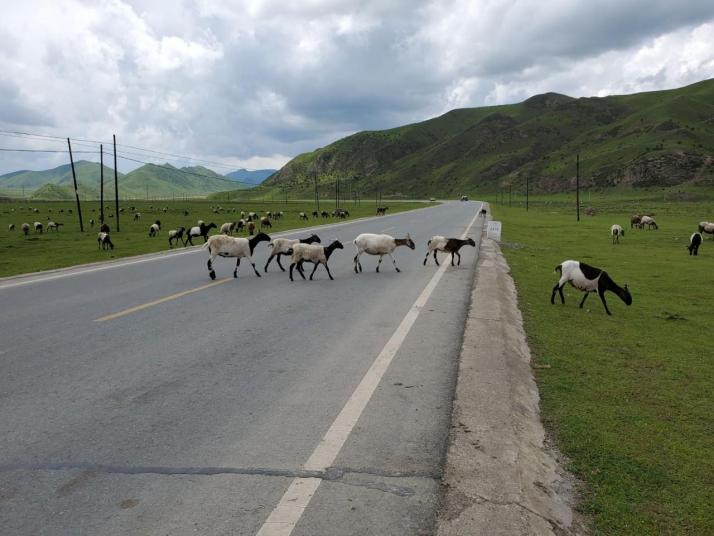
628, 397
68, 246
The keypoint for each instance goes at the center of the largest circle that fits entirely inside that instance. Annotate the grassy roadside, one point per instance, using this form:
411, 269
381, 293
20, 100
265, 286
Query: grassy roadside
20, 254
629, 398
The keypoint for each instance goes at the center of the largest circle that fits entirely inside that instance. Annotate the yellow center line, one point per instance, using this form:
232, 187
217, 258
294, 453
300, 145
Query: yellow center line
160, 300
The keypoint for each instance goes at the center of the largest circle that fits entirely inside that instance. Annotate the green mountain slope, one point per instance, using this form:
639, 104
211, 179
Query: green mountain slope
648, 139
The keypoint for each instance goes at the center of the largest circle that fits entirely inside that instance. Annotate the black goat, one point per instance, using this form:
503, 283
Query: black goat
588, 279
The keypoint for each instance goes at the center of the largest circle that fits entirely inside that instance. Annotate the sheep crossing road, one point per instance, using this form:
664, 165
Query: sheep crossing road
198, 407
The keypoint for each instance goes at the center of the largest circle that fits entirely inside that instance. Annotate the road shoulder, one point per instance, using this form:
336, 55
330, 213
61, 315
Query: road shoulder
500, 475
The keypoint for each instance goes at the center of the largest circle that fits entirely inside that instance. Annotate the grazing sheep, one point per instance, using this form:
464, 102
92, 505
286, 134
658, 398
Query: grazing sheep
11, 227
379, 244
228, 227
251, 228
312, 253
616, 231
706, 227
265, 222
54, 226
482, 213
325, 214
278, 215
38, 227
25, 228
176, 234
104, 241
252, 216
588, 279
155, 228
315, 213
200, 230
91, 222
635, 221
104, 228
137, 216
694, 242
381, 211
229, 246
240, 225
302, 215
448, 245
649, 222
283, 246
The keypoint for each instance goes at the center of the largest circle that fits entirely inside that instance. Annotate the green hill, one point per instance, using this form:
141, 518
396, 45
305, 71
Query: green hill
660, 138
151, 179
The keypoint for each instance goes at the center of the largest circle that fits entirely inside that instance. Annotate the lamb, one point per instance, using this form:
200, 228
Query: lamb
200, 230
228, 227
379, 244
616, 231
449, 245
707, 227
588, 279
229, 246
283, 246
265, 222
38, 227
649, 221
302, 215
104, 241
312, 253
176, 234
25, 228
155, 228
694, 242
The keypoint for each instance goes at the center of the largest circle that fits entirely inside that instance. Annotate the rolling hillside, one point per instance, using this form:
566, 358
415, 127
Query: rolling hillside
251, 177
661, 138
151, 179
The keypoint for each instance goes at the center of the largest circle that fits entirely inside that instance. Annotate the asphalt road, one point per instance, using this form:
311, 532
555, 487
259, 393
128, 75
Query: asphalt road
194, 414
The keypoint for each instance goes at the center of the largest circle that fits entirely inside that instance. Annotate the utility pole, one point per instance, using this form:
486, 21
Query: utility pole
577, 185
101, 183
116, 183
317, 194
526, 193
76, 192
510, 187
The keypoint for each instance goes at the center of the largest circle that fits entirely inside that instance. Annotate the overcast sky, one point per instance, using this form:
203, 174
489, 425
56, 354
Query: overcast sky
254, 83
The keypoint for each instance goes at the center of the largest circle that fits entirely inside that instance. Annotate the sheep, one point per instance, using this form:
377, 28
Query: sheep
694, 242
325, 214
104, 228
381, 211
25, 228
38, 227
229, 246
11, 227
588, 279
315, 214
282, 246
265, 222
54, 226
649, 221
302, 215
200, 230
240, 225
104, 241
91, 222
176, 234
252, 216
449, 245
155, 228
278, 215
312, 253
137, 216
706, 227
379, 244
228, 227
616, 231
482, 213
635, 221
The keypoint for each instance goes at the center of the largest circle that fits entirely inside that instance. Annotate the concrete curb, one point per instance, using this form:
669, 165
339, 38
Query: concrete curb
500, 478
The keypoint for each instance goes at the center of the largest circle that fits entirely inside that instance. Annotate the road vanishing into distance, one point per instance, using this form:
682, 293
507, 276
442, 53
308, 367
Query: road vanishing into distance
140, 397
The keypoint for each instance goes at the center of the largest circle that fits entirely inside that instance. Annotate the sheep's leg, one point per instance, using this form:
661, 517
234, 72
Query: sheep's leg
452, 258
211, 271
235, 272
394, 262
250, 259
557, 288
328, 272
379, 262
435, 259
300, 269
582, 302
602, 297
459, 255
279, 263
292, 265
357, 264
313, 270
425, 258
267, 263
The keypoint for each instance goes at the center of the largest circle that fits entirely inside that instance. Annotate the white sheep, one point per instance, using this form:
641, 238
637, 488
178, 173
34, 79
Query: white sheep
154, 229
649, 222
283, 246
616, 231
707, 227
379, 244
313, 253
228, 227
228, 246
25, 228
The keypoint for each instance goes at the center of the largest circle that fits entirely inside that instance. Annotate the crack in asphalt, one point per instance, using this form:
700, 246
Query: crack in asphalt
341, 475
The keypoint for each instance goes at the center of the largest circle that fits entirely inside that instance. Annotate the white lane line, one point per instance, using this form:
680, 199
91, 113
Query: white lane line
38, 278
285, 516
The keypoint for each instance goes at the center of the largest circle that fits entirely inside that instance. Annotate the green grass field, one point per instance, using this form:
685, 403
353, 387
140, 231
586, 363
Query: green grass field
67, 247
628, 398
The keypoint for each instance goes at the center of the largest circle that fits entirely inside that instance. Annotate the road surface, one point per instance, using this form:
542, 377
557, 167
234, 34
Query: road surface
143, 398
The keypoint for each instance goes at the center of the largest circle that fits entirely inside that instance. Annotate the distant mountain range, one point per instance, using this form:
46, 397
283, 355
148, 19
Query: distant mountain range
654, 139
150, 180
251, 177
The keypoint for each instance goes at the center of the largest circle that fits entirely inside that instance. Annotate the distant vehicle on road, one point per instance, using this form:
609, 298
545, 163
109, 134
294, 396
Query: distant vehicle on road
432, 199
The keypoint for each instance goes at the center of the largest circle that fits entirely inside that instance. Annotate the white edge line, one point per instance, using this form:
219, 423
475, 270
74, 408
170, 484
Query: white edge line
285, 516
36, 278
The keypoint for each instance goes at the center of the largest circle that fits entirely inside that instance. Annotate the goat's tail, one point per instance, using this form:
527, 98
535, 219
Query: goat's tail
559, 269
271, 245
207, 245
428, 243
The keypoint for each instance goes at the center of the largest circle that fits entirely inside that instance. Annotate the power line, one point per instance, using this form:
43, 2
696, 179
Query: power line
42, 151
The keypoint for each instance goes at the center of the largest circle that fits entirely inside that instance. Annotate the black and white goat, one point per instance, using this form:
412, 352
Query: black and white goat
230, 246
154, 229
588, 279
283, 246
176, 234
104, 241
199, 230
694, 242
616, 231
313, 253
379, 244
449, 245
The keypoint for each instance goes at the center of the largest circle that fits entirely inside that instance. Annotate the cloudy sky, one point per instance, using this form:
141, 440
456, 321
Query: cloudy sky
254, 83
